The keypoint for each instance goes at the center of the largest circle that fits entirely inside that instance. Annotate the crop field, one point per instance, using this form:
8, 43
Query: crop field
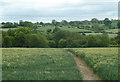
103, 61
38, 64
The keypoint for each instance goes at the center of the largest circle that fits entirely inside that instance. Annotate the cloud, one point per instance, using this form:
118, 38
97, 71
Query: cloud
59, 8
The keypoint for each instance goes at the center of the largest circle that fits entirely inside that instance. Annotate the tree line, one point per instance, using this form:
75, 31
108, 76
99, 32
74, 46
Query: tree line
29, 38
93, 24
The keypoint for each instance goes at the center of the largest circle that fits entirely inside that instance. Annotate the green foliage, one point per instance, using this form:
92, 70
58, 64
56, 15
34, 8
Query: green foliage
57, 34
95, 21
23, 37
62, 43
98, 28
7, 41
56, 30
9, 25
98, 40
107, 22
36, 41
52, 44
49, 30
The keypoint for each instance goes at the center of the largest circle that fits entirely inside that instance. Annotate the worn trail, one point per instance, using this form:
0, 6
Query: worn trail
87, 72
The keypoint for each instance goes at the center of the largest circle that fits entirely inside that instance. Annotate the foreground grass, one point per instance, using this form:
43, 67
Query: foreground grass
104, 61
39, 64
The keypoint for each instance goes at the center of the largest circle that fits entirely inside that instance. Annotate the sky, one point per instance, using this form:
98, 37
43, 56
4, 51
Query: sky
14, 10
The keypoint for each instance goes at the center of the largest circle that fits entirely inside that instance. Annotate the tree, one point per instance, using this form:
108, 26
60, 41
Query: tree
7, 41
62, 43
26, 23
107, 22
56, 30
54, 22
64, 22
49, 30
94, 20
19, 36
98, 40
8, 25
41, 23
97, 28
36, 41
52, 44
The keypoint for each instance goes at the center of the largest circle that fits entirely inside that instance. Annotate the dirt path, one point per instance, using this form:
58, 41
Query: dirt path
86, 71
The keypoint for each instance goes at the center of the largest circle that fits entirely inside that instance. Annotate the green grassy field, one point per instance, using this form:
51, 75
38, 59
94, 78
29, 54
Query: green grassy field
39, 64
113, 30
6, 29
45, 28
104, 61
110, 35
57, 64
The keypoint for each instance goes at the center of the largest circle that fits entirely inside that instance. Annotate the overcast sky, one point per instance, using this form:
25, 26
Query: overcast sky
59, 8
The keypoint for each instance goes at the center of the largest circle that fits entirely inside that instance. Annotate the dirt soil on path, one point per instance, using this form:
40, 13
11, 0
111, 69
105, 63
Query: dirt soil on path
87, 72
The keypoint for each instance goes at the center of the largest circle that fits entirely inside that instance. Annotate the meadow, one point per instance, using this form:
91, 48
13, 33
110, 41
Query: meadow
39, 64
103, 61
57, 64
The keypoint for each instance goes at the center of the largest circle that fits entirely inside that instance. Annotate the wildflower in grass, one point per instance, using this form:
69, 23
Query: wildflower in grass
63, 72
14, 72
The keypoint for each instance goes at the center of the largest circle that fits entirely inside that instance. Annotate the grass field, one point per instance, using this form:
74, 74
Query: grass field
45, 28
113, 30
110, 35
57, 64
39, 64
104, 61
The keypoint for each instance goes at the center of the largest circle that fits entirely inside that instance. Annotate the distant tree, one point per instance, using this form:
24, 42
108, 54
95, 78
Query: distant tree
64, 22
3, 23
94, 20
21, 23
41, 23
52, 44
49, 30
98, 40
19, 36
36, 41
6, 41
8, 25
62, 43
107, 22
16, 24
56, 30
11, 32
71, 23
61, 35
54, 22
26, 23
